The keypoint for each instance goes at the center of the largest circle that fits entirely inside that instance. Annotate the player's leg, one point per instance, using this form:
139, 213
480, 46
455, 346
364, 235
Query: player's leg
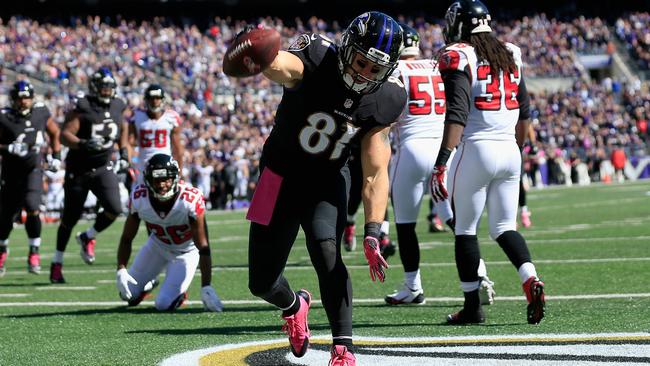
502, 216
106, 187
179, 275
33, 195
268, 250
75, 192
354, 201
409, 183
468, 182
11, 197
323, 224
525, 213
146, 267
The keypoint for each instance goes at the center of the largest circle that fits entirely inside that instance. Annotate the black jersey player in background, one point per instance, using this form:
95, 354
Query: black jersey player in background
21, 138
332, 95
90, 131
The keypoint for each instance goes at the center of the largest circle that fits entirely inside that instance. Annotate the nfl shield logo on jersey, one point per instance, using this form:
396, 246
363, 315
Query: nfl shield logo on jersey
348, 103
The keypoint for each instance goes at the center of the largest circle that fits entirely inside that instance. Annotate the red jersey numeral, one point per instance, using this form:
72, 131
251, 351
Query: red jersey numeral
492, 102
417, 94
177, 234
155, 138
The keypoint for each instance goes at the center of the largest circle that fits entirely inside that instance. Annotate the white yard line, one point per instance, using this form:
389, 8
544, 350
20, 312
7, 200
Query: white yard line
66, 288
316, 302
14, 295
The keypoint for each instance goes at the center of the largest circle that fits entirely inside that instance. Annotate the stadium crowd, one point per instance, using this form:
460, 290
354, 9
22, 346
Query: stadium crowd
226, 121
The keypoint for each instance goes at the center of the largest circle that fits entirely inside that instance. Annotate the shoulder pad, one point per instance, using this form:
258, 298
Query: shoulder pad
453, 59
311, 49
386, 104
39, 105
516, 52
83, 104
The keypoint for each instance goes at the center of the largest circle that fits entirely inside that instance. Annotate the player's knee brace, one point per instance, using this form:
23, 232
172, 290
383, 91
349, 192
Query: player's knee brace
468, 256
514, 245
323, 255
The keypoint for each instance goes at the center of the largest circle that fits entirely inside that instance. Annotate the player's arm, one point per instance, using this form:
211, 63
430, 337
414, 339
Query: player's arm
178, 150
132, 135
70, 129
201, 242
286, 69
375, 155
54, 132
522, 129
129, 232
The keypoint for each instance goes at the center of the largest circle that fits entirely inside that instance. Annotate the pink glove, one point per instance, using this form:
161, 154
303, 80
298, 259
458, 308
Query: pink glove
438, 189
376, 262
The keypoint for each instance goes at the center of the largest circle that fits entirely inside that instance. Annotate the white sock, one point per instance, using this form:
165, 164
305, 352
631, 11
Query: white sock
526, 271
413, 280
524, 208
385, 226
482, 270
469, 286
4, 243
91, 232
34, 242
58, 257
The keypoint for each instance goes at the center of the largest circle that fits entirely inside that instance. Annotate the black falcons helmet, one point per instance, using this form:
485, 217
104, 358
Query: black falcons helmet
376, 37
154, 91
161, 166
21, 89
411, 41
464, 18
102, 78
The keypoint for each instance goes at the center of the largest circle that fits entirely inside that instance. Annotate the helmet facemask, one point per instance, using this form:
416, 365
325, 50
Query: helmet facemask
150, 96
353, 61
154, 175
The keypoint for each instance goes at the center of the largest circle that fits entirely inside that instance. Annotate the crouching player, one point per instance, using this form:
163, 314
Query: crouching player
173, 213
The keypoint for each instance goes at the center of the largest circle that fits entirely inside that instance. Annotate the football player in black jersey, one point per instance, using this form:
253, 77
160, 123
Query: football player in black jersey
333, 94
90, 131
21, 138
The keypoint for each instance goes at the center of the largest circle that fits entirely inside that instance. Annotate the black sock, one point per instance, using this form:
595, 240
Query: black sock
347, 342
294, 307
102, 222
62, 237
33, 226
472, 301
33, 249
3, 248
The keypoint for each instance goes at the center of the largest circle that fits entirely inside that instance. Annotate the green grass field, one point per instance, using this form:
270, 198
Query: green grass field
591, 246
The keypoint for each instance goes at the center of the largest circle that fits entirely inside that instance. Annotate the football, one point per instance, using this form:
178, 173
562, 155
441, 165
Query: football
251, 52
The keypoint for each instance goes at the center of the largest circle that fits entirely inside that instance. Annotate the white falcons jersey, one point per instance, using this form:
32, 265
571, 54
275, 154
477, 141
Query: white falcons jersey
425, 115
154, 135
494, 109
172, 231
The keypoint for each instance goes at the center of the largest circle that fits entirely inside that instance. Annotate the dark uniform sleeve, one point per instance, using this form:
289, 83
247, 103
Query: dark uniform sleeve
82, 106
457, 93
43, 111
524, 101
311, 49
391, 102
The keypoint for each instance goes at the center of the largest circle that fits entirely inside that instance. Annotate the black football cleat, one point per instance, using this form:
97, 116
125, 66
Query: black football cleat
464, 317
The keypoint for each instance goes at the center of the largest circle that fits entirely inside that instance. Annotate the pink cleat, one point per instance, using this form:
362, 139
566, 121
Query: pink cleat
87, 247
349, 240
296, 325
341, 357
56, 273
534, 290
34, 263
525, 219
3, 259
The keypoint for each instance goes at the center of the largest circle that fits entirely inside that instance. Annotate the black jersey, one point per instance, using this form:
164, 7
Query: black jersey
318, 119
96, 120
29, 129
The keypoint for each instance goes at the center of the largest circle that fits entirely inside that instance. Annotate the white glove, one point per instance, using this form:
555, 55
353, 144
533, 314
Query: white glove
54, 165
18, 148
123, 280
122, 165
210, 299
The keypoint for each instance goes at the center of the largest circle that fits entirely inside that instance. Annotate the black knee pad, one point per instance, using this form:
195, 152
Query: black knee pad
323, 255
468, 256
514, 245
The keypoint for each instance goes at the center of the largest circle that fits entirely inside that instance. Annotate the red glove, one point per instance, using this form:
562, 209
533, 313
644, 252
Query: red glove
438, 189
376, 262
